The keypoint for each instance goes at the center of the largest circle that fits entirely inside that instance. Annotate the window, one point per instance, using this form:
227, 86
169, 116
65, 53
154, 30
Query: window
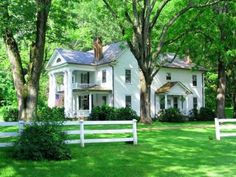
73, 78
84, 102
162, 102
127, 101
127, 76
176, 102
85, 78
168, 76
104, 100
194, 80
58, 60
195, 102
104, 76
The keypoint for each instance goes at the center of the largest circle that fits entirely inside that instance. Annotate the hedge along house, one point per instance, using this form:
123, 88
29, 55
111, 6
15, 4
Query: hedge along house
79, 81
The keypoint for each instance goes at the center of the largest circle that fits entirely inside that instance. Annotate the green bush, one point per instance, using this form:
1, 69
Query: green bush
205, 114
48, 114
126, 114
103, 112
109, 113
193, 115
10, 114
42, 142
171, 115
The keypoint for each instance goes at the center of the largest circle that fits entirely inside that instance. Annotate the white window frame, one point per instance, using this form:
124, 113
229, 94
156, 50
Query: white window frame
104, 76
195, 105
130, 76
194, 80
126, 103
168, 76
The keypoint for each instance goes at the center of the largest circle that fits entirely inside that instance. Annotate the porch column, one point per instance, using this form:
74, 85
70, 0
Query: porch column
70, 93
90, 102
52, 90
110, 100
77, 100
187, 106
166, 101
65, 81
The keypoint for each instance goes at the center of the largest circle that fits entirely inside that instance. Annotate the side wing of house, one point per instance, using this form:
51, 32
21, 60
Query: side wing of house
187, 94
126, 82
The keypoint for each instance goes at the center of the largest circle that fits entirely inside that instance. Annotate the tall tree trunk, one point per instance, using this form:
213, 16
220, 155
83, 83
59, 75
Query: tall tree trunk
145, 106
234, 104
27, 88
220, 107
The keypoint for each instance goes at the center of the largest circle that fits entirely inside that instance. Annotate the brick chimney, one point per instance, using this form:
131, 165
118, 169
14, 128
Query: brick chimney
188, 60
97, 46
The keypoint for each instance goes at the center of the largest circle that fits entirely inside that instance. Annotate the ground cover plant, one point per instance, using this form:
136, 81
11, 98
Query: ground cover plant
170, 152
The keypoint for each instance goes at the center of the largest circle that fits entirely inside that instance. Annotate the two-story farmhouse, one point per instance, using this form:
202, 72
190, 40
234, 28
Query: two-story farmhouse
79, 81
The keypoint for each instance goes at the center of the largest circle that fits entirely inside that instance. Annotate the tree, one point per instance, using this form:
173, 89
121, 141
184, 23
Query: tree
215, 47
146, 31
26, 81
226, 30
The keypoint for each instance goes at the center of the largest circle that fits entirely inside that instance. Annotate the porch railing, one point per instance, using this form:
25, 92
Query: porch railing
60, 88
83, 85
77, 86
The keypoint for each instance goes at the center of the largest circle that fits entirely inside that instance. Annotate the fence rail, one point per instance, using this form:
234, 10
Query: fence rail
220, 127
81, 131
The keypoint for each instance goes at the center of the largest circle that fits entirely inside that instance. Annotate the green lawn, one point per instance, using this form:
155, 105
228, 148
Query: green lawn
229, 112
175, 152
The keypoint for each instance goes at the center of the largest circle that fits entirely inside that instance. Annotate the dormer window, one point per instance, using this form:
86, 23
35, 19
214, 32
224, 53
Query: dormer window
168, 76
58, 60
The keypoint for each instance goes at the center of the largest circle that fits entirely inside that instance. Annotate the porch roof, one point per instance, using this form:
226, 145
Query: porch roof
168, 87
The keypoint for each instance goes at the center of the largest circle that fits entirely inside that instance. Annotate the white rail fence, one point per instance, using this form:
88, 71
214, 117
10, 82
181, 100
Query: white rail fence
81, 131
221, 126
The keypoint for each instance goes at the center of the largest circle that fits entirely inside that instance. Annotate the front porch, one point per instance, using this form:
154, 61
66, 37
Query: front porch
173, 95
83, 102
78, 91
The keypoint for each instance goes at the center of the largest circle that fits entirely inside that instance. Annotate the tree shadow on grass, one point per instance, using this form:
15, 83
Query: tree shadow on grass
185, 152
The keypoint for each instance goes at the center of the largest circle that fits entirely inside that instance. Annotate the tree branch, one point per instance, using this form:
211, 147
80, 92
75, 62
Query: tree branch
175, 17
158, 12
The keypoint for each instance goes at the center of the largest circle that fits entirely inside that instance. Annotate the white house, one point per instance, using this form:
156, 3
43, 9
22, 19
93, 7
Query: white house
79, 81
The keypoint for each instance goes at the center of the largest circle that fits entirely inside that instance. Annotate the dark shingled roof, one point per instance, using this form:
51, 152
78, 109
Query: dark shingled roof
113, 51
110, 53
169, 85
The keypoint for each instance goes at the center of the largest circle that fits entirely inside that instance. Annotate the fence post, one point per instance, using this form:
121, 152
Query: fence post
81, 133
135, 137
217, 128
21, 126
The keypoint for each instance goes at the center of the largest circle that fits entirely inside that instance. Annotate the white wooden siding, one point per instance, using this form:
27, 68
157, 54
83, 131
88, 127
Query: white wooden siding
182, 75
121, 89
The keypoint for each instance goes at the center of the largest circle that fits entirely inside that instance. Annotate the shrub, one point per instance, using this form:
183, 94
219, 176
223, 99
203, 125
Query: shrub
48, 114
42, 142
126, 114
103, 112
205, 114
171, 115
193, 114
10, 114
109, 113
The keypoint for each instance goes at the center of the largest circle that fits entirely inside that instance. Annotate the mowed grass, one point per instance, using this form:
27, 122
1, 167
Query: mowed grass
229, 112
172, 152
